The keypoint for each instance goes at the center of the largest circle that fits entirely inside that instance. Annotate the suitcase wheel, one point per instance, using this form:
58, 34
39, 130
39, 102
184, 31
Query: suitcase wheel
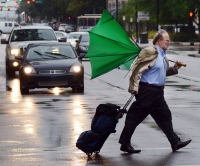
89, 154
97, 152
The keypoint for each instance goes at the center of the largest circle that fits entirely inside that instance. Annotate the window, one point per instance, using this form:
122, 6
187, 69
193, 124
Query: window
16, 25
50, 52
33, 35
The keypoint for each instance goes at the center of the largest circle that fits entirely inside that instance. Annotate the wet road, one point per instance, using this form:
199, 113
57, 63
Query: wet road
42, 128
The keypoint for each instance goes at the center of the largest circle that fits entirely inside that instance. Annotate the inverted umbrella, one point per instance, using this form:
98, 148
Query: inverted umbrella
110, 46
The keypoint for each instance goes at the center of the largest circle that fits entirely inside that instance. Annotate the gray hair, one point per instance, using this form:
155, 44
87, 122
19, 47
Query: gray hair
158, 36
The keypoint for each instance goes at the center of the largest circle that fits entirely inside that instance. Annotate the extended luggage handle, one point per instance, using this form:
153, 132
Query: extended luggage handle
128, 102
123, 110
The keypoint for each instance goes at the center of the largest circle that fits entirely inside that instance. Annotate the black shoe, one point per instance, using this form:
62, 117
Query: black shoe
179, 145
129, 149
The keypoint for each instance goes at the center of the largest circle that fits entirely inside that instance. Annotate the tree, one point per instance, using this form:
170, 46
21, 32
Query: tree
170, 11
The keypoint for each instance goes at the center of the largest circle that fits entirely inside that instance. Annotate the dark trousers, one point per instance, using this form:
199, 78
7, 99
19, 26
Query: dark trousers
149, 101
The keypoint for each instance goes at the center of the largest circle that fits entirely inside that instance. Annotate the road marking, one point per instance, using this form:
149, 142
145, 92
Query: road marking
188, 77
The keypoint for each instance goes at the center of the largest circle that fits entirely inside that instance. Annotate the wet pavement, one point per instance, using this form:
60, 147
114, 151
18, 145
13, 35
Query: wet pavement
41, 129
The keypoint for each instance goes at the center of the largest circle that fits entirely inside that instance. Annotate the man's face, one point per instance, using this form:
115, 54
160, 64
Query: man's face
165, 42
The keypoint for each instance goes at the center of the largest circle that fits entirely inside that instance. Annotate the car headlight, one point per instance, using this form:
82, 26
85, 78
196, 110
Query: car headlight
83, 48
73, 43
75, 69
15, 51
29, 70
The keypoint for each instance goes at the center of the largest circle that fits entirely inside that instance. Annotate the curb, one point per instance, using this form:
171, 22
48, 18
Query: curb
194, 55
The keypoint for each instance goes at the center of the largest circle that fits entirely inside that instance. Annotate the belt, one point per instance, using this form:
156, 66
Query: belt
151, 85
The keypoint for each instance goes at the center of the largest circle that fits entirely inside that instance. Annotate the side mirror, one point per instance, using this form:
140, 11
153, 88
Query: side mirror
82, 55
63, 40
19, 57
4, 41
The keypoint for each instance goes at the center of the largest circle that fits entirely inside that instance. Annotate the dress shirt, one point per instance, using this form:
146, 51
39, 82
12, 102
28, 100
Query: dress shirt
157, 73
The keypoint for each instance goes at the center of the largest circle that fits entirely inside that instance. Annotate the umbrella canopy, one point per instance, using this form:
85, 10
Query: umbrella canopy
110, 46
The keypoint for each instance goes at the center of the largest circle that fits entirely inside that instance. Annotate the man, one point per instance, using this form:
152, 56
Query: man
147, 83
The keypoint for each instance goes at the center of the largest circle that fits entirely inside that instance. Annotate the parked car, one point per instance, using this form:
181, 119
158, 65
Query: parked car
83, 44
49, 65
61, 35
73, 37
70, 28
18, 40
7, 26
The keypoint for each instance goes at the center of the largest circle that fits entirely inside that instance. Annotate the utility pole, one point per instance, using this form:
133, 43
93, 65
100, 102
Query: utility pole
136, 15
157, 15
117, 10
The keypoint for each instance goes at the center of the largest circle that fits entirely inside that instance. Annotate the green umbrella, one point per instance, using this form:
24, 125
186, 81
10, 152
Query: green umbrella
110, 46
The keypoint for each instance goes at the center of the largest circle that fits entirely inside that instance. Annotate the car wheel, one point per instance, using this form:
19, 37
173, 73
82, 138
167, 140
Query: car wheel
23, 90
79, 89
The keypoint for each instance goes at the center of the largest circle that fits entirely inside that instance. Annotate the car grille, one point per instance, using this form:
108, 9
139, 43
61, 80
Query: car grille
52, 72
52, 83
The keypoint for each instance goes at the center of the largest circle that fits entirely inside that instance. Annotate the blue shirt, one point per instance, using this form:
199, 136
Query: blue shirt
157, 74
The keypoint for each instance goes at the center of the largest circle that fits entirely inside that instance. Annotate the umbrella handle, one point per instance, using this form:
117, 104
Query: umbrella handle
182, 64
179, 63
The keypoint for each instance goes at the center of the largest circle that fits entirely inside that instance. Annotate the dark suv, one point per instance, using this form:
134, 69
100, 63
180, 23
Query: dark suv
19, 39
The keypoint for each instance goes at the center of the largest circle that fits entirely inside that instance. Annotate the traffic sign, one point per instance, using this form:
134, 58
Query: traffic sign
38, 1
143, 15
3, 1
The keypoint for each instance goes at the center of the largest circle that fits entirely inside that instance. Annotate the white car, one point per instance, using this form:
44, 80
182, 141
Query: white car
18, 40
61, 35
7, 26
62, 27
73, 36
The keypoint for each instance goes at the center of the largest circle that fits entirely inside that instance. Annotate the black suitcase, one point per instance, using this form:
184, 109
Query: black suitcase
103, 123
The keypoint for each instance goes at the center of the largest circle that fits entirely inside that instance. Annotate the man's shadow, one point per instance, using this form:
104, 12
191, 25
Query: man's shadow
163, 159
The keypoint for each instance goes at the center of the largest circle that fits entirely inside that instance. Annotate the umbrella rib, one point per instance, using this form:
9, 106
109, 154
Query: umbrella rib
112, 55
113, 40
123, 28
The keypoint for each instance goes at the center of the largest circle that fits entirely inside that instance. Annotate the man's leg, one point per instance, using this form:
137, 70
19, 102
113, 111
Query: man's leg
163, 118
138, 111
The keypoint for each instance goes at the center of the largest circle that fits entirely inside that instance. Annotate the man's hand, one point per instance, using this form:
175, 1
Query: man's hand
133, 92
177, 65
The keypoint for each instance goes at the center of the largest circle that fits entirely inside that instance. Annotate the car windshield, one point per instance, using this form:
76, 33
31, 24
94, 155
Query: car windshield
85, 38
33, 35
74, 36
44, 52
59, 34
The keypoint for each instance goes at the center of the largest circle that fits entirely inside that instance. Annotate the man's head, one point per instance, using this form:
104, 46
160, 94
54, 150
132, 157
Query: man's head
162, 39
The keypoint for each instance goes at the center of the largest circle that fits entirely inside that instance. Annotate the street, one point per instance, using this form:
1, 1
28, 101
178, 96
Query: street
41, 129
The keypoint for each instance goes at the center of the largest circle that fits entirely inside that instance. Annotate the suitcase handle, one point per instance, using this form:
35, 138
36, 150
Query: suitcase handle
123, 110
128, 102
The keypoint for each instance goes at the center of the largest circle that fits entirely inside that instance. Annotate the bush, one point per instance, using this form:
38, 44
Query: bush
181, 37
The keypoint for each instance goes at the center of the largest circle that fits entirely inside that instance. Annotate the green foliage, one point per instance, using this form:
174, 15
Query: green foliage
183, 37
170, 11
61, 9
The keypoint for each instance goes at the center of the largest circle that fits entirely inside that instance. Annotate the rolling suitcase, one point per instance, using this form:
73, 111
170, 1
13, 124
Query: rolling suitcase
103, 124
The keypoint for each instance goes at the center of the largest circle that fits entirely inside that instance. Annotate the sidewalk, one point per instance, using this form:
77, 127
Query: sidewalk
179, 48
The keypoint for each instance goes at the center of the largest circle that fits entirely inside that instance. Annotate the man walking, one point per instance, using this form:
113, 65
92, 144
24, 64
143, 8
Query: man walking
147, 83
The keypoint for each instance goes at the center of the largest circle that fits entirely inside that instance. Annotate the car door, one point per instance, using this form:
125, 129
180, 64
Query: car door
9, 27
